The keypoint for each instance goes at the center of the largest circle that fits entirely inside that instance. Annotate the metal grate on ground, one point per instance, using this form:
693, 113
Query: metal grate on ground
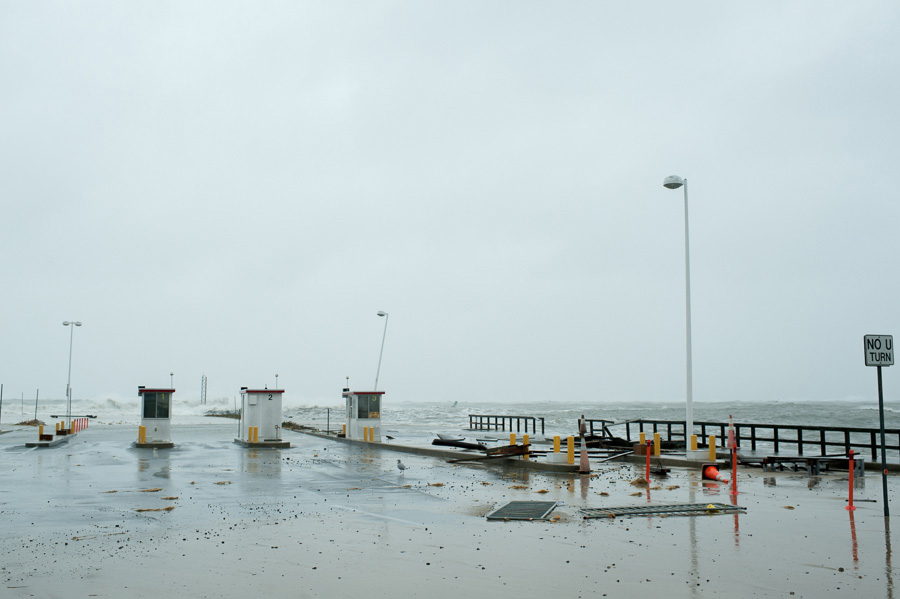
523, 510
678, 509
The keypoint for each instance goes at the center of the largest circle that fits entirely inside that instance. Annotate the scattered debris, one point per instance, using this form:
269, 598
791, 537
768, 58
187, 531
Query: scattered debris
169, 498
435, 484
296, 427
150, 490
520, 487
542, 491
678, 509
789, 507
640, 482
30, 423
223, 482
156, 509
236, 414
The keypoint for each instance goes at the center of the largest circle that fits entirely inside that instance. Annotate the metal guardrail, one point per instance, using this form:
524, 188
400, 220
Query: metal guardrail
498, 422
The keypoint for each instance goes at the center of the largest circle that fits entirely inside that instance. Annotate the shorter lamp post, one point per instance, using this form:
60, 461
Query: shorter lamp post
71, 325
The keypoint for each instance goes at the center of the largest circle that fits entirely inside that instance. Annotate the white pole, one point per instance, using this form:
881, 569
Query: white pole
381, 353
689, 423
69, 380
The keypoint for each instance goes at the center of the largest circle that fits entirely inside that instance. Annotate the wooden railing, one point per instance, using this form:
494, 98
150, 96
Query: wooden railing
781, 436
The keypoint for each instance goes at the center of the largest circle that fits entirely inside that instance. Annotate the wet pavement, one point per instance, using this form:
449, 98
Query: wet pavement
328, 519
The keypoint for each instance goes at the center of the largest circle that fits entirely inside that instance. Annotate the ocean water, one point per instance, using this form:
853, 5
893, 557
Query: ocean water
426, 418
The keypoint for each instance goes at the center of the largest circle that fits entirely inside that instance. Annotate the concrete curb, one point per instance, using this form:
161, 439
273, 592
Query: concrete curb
450, 455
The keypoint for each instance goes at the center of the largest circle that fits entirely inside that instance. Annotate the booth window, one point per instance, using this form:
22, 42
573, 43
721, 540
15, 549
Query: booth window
369, 406
156, 405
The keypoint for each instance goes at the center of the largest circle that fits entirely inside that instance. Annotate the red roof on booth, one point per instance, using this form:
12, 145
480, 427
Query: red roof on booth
142, 390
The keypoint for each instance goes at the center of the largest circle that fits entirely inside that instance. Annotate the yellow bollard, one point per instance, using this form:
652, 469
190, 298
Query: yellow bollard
344, 429
525, 442
570, 448
512, 438
693, 442
256, 434
141, 434
712, 448
642, 439
57, 428
366, 436
656, 444
555, 443
40, 431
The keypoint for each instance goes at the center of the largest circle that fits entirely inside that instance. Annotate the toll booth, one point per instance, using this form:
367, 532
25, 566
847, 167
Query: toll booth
156, 418
261, 418
363, 410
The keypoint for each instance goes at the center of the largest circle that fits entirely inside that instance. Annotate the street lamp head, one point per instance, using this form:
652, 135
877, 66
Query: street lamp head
382, 313
673, 182
67, 323
77, 323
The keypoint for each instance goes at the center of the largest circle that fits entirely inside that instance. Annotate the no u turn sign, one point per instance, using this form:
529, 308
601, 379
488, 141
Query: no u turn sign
879, 350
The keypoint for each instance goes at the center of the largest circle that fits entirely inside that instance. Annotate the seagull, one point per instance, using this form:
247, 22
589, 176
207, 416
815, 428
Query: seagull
401, 466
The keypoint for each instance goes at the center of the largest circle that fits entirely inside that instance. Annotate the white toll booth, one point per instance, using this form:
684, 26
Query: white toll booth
363, 410
261, 418
156, 418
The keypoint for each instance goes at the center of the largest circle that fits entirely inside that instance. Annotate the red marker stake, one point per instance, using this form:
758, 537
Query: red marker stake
648, 450
734, 490
850, 506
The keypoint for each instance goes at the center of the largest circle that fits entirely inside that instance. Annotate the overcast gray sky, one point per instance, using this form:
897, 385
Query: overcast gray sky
237, 188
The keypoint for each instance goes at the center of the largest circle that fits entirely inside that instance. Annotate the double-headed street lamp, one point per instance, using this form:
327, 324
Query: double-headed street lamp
381, 353
71, 325
674, 182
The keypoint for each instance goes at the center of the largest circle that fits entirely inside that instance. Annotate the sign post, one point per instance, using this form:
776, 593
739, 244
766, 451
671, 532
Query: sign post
879, 351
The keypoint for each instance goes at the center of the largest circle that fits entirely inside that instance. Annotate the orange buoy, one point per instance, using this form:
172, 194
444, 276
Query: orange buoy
710, 472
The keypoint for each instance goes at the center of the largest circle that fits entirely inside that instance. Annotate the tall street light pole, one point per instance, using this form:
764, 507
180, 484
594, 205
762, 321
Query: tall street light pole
71, 325
381, 353
674, 182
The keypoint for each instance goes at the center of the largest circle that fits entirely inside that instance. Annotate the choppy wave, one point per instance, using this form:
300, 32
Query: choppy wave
558, 417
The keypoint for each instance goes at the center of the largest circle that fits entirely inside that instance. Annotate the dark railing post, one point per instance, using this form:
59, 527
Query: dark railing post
752, 437
542, 427
775, 437
822, 441
799, 441
874, 447
628, 432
